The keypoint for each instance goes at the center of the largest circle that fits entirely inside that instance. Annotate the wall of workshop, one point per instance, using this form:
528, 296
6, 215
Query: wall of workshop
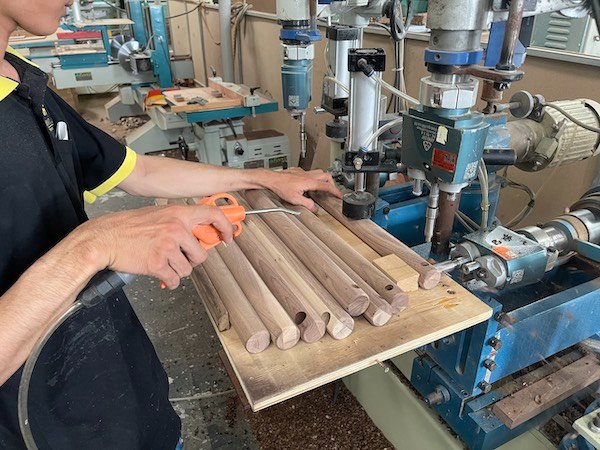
261, 59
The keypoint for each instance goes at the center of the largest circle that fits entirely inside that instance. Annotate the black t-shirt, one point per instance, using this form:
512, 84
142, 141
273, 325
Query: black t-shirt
98, 383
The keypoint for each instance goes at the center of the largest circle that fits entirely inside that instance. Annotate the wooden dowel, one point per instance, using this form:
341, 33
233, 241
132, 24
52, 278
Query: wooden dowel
309, 322
210, 297
360, 267
381, 241
343, 288
244, 319
379, 311
283, 331
339, 323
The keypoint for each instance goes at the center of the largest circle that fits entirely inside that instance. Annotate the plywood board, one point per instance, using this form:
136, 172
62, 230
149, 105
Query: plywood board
214, 100
274, 375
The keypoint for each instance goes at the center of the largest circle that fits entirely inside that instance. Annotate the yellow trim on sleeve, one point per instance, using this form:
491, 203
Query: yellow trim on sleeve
117, 178
12, 51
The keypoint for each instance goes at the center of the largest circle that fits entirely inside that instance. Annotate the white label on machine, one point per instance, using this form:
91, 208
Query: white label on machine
294, 100
517, 276
471, 170
442, 135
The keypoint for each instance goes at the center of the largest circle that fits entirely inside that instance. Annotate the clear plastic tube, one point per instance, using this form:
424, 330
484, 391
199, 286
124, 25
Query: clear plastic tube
485, 199
338, 82
382, 130
396, 92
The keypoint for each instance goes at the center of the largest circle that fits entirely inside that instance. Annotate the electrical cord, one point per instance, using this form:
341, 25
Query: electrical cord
118, 8
571, 118
198, 6
103, 286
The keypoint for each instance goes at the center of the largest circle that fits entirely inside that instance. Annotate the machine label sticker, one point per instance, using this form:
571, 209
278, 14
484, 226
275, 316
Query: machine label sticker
294, 100
444, 160
506, 252
517, 276
428, 134
442, 135
83, 76
471, 170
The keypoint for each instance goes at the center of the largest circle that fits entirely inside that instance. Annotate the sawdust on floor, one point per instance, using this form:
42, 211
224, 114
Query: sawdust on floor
314, 421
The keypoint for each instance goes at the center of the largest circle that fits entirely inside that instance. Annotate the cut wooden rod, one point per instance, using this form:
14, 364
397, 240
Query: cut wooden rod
381, 241
339, 323
244, 319
360, 266
310, 323
210, 297
283, 331
343, 288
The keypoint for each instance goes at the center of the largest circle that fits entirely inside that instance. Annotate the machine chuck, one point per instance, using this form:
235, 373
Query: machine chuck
359, 205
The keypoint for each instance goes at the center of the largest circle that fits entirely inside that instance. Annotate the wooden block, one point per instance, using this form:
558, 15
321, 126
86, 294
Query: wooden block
380, 240
547, 392
405, 276
228, 90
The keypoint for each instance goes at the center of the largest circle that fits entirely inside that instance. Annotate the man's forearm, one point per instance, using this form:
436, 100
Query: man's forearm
40, 295
171, 178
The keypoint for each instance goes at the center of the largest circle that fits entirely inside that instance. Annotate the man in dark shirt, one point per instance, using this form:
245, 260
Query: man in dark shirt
100, 384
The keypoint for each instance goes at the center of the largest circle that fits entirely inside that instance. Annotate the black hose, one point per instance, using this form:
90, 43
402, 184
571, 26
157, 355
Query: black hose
505, 157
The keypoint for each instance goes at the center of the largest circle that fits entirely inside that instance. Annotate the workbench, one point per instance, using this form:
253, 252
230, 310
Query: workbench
275, 375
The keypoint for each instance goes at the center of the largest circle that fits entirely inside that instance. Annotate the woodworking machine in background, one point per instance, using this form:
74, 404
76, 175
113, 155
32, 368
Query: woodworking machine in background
542, 282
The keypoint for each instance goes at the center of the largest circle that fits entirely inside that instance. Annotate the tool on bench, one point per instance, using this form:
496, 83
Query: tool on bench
209, 236
197, 101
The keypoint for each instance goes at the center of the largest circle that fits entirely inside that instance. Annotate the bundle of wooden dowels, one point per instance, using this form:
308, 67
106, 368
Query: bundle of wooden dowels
286, 278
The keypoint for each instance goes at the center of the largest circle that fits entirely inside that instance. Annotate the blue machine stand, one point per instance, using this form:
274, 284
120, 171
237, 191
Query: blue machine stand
529, 325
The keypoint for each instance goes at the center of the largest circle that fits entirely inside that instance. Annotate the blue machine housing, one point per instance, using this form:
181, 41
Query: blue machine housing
296, 80
447, 144
532, 323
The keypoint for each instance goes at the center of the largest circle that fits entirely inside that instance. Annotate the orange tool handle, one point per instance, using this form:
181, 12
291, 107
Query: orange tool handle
208, 235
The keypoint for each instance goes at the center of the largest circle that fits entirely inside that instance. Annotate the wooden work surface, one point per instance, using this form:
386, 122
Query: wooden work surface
103, 22
276, 375
215, 99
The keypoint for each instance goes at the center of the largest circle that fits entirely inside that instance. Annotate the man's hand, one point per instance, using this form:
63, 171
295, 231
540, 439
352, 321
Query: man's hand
155, 241
291, 185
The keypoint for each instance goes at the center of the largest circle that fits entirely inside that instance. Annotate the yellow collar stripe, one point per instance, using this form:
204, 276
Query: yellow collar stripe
13, 52
6, 84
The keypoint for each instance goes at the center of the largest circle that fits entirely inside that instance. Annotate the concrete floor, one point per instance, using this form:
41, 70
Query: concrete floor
177, 324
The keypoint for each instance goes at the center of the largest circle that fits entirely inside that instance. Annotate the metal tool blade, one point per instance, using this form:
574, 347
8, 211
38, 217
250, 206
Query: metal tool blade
271, 210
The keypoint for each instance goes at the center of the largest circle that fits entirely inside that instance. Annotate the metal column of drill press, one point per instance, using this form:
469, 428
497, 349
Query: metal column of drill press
298, 32
365, 93
443, 139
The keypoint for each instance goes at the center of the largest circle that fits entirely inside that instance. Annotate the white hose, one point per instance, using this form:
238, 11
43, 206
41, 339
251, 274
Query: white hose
338, 82
382, 130
485, 196
395, 91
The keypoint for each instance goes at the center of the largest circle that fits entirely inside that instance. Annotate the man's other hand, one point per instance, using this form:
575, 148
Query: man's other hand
292, 184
